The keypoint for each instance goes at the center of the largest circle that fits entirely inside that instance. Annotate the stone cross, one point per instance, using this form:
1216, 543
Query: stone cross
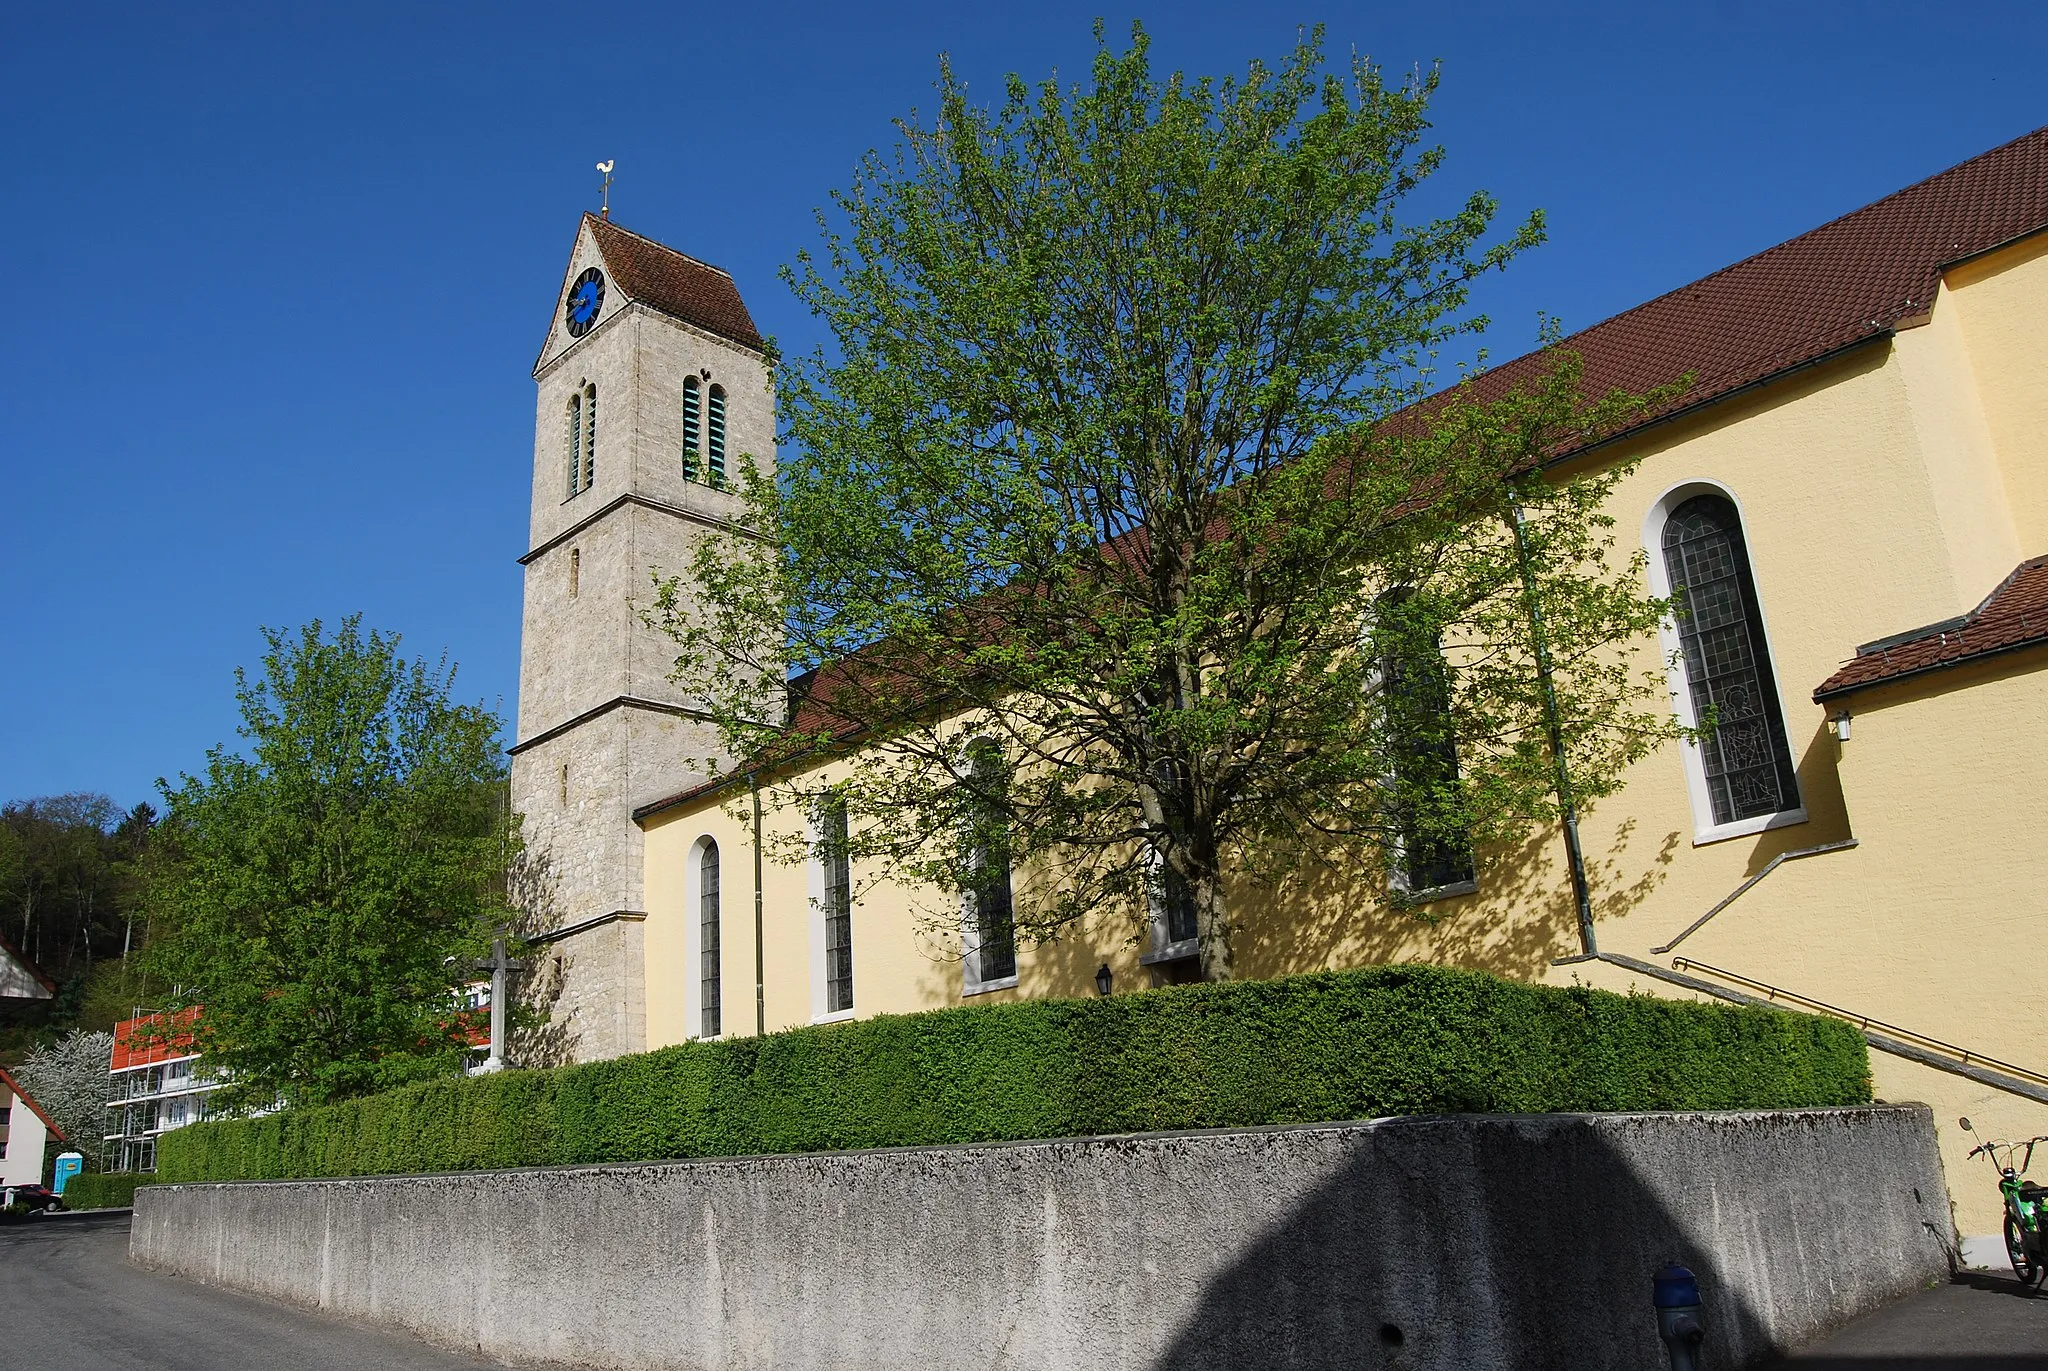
501, 966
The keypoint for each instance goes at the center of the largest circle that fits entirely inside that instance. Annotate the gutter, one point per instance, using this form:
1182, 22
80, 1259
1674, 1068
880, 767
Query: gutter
1823, 696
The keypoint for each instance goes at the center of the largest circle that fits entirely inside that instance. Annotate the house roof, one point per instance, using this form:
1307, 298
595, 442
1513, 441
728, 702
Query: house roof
30, 1100
1851, 281
2012, 617
693, 291
174, 1042
13, 953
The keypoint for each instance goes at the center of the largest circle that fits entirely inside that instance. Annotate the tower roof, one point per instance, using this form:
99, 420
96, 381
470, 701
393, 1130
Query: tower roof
693, 291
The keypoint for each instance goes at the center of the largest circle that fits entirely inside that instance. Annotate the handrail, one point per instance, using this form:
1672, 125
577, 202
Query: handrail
1743, 889
1864, 1021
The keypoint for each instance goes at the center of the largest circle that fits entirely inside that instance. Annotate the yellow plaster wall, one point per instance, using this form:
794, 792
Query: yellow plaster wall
1887, 489
2001, 301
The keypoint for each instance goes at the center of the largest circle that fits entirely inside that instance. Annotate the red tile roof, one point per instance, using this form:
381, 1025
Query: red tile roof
30, 1101
1847, 282
2013, 616
693, 291
159, 1045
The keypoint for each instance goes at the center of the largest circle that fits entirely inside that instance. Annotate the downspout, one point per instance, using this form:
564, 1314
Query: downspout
1589, 946
760, 975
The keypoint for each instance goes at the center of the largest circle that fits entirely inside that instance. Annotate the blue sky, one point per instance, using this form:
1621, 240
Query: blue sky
281, 271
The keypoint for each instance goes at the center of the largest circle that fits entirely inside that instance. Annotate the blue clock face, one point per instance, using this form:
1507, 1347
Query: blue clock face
585, 298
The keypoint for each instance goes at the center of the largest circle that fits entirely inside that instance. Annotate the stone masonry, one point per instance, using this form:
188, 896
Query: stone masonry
601, 727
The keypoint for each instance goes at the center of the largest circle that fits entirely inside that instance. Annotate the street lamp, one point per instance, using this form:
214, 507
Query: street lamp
1102, 980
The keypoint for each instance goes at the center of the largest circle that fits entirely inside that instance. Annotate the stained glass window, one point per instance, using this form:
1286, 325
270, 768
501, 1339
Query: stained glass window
712, 994
1433, 850
995, 927
838, 908
1727, 663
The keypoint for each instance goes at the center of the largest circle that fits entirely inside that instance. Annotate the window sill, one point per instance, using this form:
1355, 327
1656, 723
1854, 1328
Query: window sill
1743, 828
836, 1016
1172, 952
983, 987
1439, 892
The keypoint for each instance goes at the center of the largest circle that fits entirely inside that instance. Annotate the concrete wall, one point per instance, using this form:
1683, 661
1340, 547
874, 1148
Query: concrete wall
1495, 1241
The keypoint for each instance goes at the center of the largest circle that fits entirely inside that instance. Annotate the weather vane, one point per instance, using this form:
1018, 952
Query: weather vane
606, 189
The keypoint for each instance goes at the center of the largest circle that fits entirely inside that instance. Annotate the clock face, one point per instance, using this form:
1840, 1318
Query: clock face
585, 297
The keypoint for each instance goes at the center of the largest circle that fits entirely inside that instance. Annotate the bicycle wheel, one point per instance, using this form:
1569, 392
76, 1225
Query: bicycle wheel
2027, 1267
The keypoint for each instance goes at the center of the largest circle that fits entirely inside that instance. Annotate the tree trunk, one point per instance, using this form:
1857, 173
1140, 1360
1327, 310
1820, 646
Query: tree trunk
1212, 925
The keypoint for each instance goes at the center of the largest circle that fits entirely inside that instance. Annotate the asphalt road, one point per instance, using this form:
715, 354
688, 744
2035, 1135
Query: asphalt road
1978, 1322
69, 1301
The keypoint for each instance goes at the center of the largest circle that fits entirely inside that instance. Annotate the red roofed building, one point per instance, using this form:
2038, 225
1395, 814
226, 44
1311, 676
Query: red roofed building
156, 1086
1858, 454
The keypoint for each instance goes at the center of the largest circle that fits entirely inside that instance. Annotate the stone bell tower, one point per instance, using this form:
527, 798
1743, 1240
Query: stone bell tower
652, 382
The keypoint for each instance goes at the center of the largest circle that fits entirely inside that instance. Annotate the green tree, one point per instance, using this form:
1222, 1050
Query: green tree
1123, 461
68, 1077
322, 877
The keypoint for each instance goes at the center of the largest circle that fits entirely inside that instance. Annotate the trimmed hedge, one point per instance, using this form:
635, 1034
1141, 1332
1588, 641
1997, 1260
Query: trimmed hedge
1331, 1045
104, 1189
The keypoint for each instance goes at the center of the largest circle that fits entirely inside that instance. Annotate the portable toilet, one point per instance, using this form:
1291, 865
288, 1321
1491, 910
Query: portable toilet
69, 1164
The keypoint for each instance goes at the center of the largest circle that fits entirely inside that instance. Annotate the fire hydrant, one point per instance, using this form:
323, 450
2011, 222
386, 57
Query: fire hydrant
1675, 1292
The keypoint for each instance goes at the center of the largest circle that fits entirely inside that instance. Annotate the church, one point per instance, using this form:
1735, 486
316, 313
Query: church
1857, 478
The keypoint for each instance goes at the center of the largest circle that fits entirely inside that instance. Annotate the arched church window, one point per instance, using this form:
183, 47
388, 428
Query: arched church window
692, 425
1432, 849
838, 911
711, 995
991, 933
1747, 762
716, 456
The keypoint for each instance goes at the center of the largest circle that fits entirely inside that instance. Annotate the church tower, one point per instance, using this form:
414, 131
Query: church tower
652, 382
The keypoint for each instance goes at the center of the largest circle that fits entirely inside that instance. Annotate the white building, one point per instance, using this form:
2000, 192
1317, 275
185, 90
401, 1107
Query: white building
25, 1131
156, 1087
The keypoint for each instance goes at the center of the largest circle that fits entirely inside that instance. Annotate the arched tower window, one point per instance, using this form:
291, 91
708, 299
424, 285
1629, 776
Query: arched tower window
582, 439
991, 931
1747, 762
573, 454
693, 400
575, 571
710, 996
715, 463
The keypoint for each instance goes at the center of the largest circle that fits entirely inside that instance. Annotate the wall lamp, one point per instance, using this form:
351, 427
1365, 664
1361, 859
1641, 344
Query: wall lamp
1103, 980
1839, 726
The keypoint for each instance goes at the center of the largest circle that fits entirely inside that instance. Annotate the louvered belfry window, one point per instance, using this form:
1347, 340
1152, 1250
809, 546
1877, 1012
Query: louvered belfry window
575, 443
582, 436
1727, 662
716, 445
693, 419
589, 436
838, 907
712, 994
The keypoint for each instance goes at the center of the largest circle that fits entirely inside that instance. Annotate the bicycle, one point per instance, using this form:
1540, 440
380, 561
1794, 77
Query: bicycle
2026, 1205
